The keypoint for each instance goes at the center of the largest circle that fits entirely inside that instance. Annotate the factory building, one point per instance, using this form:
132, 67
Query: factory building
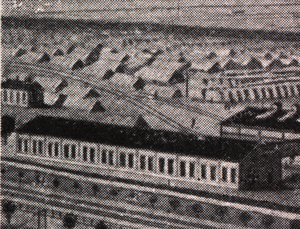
146, 155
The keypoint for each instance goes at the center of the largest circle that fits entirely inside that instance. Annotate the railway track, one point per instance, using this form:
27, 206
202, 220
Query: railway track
138, 102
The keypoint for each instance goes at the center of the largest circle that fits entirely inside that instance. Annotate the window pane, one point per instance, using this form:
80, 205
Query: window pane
40, 147
50, 149
170, 166
161, 165
103, 156
56, 152
84, 153
143, 162
26, 145
19, 144
192, 169
73, 151
182, 168
130, 160
34, 146
224, 174
213, 172
150, 163
92, 155
11, 98
111, 157
18, 97
233, 175
5, 95
24, 97
122, 160
66, 151
203, 171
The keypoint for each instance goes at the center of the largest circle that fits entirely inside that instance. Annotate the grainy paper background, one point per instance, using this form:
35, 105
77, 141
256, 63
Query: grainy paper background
150, 114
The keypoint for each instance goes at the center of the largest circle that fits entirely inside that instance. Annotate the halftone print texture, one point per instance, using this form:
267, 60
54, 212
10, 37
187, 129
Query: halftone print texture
150, 114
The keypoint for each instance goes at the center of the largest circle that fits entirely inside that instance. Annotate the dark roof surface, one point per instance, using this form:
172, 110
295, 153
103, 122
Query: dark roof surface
157, 140
21, 85
247, 117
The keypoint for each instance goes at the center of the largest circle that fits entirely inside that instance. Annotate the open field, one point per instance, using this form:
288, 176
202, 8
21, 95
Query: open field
276, 15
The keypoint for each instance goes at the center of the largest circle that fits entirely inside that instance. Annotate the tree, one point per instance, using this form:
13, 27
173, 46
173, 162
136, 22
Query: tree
69, 220
101, 225
267, 220
153, 200
95, 189
245, 217
174, 203
7, 126
56, 182
76, 186
221, 211
9, 209
197, 208
295, 224
20, 175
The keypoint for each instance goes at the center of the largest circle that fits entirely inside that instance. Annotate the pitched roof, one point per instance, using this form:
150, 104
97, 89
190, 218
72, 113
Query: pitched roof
51, 84
157, 140
21, 85
249, 117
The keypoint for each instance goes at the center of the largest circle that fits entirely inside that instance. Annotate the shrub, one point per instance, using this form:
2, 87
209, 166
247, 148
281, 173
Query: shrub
153, 200
197, 208
174, 203
295, 224
267, 220
221, 211
245, 217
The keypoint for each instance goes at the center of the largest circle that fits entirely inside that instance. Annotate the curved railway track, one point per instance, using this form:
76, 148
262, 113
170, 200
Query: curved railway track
135, 101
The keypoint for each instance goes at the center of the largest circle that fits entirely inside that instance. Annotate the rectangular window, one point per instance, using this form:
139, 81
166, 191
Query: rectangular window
34, 147
50, 145
56, 149
84, 153
224, 174
192, 169
11, 97
40, 147
24, 97
18, 97
5, 95
73, 149
150, 163
182, 168
233, 175
19, 144
66, 151
170, 166
111, 157
213, 172
103, 156
130, 160
26, 145
161, 164
143, 162
203, 171
122, 159
92, 155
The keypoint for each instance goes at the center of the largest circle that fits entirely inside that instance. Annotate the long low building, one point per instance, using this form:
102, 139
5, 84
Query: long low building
267, 124
145, 155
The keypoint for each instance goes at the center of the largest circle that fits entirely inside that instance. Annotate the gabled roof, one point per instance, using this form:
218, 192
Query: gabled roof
123, 80
51, 84
22, 76
248, 117
34, 57
21, 85
89, 105
156, 140
76, 89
